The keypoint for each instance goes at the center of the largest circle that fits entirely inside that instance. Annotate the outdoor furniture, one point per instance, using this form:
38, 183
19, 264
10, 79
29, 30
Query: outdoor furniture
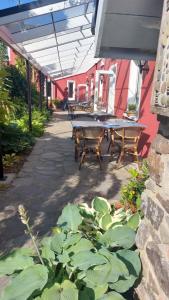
127, 140
91, 142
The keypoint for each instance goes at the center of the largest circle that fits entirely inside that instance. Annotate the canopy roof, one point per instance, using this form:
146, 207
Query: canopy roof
54, 35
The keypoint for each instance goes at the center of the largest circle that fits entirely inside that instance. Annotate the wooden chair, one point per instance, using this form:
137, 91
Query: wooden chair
127, 140
78, 138
92, 138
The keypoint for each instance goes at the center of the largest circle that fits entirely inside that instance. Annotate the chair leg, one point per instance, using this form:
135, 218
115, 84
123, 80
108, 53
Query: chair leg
82, 159
110, 144
76, 153
98, 153
121, 156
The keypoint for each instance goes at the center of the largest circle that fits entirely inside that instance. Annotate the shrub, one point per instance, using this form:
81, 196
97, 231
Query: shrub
89, 256
15, 140
131, 192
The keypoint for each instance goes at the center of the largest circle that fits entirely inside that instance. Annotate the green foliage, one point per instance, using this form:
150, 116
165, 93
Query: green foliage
38, 122
10, 159
15, 140
82, 259
17, 83
3, 53
131, 192
132, 107
6, 107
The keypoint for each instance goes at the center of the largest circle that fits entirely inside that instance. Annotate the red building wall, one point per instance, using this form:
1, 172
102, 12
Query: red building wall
121, 95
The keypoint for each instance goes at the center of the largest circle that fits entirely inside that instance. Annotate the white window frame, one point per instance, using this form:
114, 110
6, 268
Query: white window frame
135, 83
71, 81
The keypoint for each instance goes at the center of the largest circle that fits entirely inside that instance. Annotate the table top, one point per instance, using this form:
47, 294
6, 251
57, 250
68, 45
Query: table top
111, 123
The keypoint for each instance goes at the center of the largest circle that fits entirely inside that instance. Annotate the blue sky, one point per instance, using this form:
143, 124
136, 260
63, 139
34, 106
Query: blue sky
10, 3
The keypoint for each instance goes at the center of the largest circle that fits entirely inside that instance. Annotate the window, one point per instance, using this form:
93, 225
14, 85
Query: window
134, 93
71, 89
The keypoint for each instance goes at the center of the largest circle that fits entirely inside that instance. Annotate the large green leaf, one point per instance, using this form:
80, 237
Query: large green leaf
66, 291
109, 272
132, 261
133, 221
47, 253
101, 205
71, 239
99, 290
123, 284
85, 259
112, 296
70, 218
105, 222
82, 245
24, 284
57, 242
15, 262
86, 294
121, 236
86, 211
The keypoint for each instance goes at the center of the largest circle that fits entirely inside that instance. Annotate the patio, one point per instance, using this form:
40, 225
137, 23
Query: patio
49, 179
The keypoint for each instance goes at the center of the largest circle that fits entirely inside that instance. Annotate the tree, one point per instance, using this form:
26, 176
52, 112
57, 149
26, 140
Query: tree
3, 53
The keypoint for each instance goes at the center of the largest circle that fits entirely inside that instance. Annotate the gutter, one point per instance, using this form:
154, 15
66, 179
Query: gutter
93, 26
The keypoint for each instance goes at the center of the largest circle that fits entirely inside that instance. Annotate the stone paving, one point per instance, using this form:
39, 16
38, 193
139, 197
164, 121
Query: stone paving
49, 179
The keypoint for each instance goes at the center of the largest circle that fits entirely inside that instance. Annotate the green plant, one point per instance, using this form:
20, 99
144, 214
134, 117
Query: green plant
131, 192
57, 103
89, 256
15, 140
132, 107
10, 160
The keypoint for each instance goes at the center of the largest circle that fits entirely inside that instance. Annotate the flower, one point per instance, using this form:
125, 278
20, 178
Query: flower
23, 214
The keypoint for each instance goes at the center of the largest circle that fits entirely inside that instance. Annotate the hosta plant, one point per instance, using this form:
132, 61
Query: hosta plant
89, 256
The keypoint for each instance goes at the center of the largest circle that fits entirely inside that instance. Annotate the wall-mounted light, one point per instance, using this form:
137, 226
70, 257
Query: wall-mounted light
143, 66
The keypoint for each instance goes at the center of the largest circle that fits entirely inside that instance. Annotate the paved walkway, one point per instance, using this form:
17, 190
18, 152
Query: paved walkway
49, 179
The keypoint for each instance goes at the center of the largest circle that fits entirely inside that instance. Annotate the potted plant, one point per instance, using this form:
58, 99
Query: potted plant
131, 109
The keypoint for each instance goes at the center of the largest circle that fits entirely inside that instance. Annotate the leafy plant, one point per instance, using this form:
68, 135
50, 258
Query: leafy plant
14, 140
81, 260
131, 192
132, 107
10, 160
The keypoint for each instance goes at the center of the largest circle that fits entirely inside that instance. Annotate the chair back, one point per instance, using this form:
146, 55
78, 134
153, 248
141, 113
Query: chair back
132, 133
93, 133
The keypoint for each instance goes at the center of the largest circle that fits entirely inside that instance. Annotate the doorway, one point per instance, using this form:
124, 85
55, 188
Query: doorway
102, 101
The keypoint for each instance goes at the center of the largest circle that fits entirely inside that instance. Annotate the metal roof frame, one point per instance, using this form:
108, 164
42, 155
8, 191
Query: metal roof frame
34, 27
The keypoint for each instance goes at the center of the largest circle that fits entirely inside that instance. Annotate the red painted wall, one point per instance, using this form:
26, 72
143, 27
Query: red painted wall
61, 84
145, 116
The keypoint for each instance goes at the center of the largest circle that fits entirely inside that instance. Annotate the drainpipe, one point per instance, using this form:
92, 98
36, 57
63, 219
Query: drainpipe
93, 26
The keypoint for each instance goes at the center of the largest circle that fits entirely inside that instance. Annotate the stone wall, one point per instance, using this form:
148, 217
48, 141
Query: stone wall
153, 234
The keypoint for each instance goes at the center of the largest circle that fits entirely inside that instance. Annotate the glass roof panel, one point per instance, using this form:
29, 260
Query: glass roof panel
11, 3
40, 45
87, 41
66, 38
30, 23
91, 8
69, 13
89, 17
44, 53
71, 23
68, 46
87, 32
33, 33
